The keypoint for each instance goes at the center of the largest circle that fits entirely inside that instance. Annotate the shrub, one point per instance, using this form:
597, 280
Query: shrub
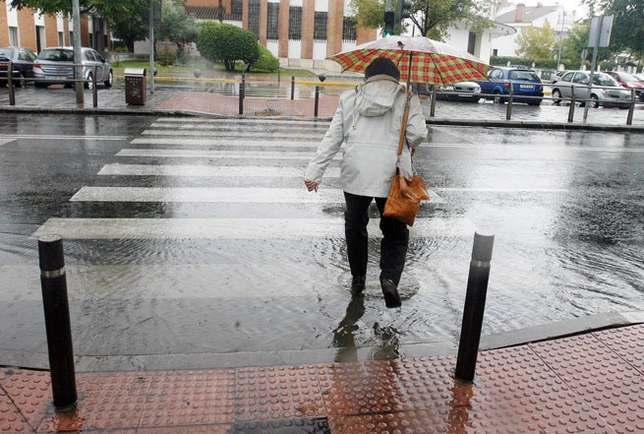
227, 43
266, 62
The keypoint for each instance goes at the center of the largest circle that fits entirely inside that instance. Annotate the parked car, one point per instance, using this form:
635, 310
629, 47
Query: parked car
467, 91
525, 84
629, 81
56, 65
23, 62
606, 92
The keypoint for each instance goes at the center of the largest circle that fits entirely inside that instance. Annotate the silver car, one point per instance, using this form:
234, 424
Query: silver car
55, 65
606, 92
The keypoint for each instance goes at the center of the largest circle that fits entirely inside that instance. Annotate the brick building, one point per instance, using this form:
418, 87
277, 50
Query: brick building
298, 32
35, 31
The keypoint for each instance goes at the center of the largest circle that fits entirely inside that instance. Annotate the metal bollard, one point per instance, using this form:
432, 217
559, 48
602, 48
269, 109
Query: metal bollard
432, 111
242, 94
474, 307
57, 323
508, 112
94, 88
573, 103
292, 87
317, 101
12, 94
631, 109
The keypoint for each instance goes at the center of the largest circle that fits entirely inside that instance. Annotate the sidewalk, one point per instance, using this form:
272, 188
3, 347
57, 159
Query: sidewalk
590, 383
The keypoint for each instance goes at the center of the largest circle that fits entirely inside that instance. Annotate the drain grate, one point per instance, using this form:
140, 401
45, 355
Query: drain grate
318, 425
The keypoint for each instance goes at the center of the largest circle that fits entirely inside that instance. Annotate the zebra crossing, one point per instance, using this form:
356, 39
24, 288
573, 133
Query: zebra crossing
270, 156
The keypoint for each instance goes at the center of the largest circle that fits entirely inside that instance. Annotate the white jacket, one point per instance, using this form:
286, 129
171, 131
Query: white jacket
368, 121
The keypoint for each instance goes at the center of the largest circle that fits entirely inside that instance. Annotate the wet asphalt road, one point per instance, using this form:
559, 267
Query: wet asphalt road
192, 243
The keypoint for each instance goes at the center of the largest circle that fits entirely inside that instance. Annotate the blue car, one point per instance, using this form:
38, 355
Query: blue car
525, 84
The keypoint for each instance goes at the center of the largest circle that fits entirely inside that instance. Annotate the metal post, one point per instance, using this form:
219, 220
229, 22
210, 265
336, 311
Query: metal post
432, 111
57, 323
631, 109
292, 87
317, 101
242, 92
12, 91
508, 112
94, 88
573, 102
474, 306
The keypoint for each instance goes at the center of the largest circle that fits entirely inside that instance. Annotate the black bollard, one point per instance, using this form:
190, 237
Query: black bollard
292, 87
242, 94
57, 323
474, 307
317, 101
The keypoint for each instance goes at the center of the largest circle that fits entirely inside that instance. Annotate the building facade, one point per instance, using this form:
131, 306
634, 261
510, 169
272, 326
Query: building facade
301, 33
33, 30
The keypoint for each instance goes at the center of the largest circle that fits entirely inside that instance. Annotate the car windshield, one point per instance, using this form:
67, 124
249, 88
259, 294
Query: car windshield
6, 52
57, 55
601, 79
627, 77
523, 75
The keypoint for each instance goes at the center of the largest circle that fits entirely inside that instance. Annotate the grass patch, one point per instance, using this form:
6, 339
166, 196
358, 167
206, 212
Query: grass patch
208, 69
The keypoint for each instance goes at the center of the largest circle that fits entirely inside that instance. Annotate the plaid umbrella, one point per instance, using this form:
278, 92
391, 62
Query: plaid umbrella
420, 60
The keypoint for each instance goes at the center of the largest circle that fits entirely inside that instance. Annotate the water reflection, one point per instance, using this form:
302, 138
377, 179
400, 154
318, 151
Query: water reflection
344, 336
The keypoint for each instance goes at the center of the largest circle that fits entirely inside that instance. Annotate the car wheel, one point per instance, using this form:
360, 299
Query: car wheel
497, 98
20, 80
89, 83
556, 96
594, 101
110, 79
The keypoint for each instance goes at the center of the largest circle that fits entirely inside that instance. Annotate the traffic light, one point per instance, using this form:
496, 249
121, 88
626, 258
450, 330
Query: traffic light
389, 23
402, 12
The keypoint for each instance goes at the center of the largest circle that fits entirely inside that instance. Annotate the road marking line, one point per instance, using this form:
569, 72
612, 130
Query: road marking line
203, 170
237, 228
214, 195
221, 142
51, 137
227, 154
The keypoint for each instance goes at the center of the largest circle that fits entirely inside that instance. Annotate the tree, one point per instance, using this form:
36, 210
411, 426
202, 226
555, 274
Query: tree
227, 43
627, 32
177, 26
432, 18
537, 43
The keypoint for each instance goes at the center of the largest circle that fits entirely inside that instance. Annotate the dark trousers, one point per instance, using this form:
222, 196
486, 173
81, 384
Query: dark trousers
393, 247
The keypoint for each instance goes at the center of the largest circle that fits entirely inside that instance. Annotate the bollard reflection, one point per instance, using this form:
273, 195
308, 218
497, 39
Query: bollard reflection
343, 335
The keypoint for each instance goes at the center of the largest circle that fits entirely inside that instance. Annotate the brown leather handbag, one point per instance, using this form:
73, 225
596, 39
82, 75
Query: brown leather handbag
405, 194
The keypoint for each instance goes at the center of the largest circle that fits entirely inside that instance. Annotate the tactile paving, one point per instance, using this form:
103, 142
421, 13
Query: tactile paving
278, 393
29, 391
626, 342
11, 421
289, 426
583, 361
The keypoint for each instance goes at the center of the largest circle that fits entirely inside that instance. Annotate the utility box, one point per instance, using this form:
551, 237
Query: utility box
135, 86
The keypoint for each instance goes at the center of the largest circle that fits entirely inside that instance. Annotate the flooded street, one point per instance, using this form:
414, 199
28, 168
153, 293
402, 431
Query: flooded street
192, 243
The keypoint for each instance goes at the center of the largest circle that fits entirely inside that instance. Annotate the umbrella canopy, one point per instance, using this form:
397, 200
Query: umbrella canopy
420, 60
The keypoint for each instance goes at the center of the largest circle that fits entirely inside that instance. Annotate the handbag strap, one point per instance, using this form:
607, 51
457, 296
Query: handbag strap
405, 118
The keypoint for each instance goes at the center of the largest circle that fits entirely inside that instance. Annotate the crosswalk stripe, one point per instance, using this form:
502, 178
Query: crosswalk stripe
186, 141
210, 195
237, 228
215, 195
206, 170
214, 154
238, 135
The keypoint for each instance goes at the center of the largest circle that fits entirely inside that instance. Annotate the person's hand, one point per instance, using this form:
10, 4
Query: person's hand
311, 185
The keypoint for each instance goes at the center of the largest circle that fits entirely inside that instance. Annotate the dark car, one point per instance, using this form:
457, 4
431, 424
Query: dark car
524, 83
629, 81
23, 62
56, 65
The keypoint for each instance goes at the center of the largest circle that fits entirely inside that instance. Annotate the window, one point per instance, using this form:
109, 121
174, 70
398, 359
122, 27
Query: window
236, 7
253, 17
273, 31
295, 23
61, 38
319, 26
349, 29
13, 36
